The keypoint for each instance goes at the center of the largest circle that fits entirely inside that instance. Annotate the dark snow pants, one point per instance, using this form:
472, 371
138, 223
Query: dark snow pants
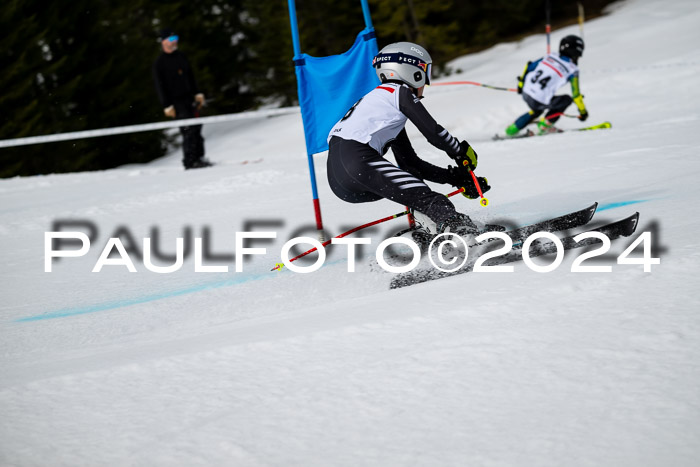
359, 174
192, 141
556, 106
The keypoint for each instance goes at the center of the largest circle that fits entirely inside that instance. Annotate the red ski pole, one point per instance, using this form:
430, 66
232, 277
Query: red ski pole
560, 114
474, 83
279, 266
484, 201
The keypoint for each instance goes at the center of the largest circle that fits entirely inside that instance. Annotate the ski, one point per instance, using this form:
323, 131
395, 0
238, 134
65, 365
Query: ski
555, 224
613, 230
600, 126
566, 221
251, 161
622, 228
529, 133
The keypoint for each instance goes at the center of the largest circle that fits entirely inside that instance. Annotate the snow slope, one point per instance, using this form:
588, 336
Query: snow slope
331, 368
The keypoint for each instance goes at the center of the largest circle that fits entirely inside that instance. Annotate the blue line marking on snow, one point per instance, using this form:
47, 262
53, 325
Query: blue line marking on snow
619, 204
66, 312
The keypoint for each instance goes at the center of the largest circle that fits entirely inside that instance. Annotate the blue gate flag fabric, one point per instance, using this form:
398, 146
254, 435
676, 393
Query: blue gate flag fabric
329, 86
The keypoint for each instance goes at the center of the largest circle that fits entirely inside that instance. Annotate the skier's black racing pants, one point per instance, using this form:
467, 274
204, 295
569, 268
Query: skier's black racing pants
359, 174
557, 106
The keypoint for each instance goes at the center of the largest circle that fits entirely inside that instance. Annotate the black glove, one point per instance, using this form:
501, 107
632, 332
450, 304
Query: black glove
466, 157
458, 177
583, 116
470, 190
462, 178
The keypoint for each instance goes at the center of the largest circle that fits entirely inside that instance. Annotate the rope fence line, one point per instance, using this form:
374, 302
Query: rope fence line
587, 71
7, 143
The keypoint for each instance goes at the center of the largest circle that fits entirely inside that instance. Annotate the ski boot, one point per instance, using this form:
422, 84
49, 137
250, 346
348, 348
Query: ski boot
512, 130
423, 223
459, 224
198, 164
423, 231
545, 127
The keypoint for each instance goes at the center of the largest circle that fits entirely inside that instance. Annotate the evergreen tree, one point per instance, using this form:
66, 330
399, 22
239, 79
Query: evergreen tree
86, 64
431, 24
74, 67
270, 69
214, 37
328, 28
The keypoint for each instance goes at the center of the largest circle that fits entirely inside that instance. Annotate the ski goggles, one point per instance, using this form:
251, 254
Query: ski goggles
173, 38
398, 57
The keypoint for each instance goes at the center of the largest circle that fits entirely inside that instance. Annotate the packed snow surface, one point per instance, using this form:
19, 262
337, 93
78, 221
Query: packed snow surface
256, 368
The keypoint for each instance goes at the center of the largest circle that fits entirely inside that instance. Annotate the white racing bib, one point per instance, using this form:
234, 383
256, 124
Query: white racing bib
375, 119
549, 75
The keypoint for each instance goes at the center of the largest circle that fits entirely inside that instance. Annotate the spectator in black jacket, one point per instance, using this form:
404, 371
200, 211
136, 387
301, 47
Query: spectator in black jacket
180, 97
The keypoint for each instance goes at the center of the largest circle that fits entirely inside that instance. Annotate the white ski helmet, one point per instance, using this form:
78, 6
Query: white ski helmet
404, 61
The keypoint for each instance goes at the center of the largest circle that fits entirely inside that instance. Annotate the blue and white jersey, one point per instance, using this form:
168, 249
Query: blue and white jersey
547, 76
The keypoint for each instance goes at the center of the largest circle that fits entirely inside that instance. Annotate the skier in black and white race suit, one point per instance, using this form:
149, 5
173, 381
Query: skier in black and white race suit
357, 169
